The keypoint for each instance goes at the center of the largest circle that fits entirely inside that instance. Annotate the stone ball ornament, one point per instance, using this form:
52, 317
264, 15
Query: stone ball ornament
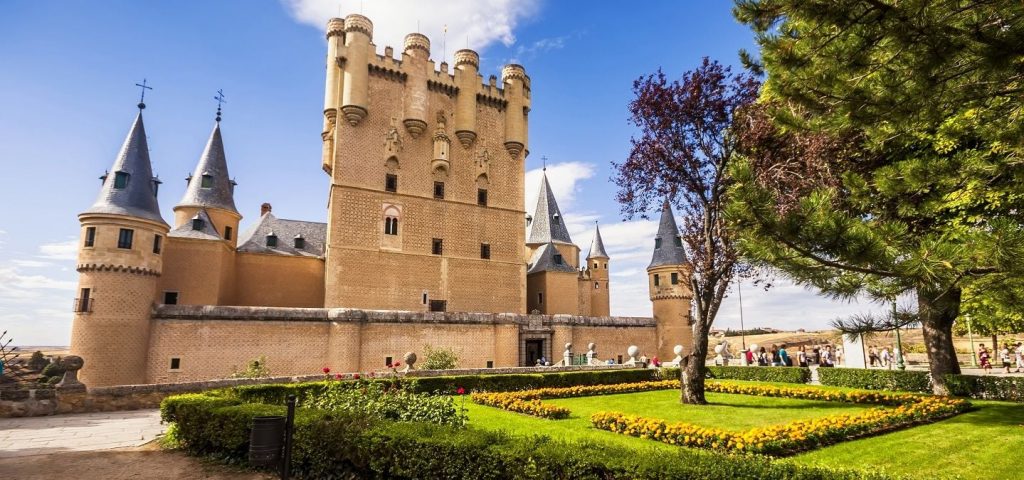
719, 348
568, 346
410, 359
72, 362
678, 350
633, 351
592, 346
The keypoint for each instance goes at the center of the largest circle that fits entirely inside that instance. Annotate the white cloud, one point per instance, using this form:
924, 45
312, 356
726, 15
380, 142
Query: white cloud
529, 52
59, 251
563, 178
31, 263
473, 23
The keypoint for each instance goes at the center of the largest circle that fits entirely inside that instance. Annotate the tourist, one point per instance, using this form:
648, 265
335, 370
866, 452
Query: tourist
839, 355
815, 355
749, 355
784, 356
801, 356
1004, 356
985, 358
886, 358
1020, 356
872, 355
826, 357
762, 357
775, 355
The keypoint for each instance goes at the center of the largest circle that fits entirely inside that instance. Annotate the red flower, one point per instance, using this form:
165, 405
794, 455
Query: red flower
397, 364
337, 376
372, 374
327, 370
355, 376
461, 391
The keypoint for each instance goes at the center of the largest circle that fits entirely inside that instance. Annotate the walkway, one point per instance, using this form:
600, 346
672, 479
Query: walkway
21, 437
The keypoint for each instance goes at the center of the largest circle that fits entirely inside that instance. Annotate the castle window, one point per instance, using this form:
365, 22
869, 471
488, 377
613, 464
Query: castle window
300, 243
170, 298
83, 303
596, 266
438, 305
679, 241
207, 181
439, 190
606, 266
597, 286
227, 233
424, 297
120, 180
481, 197
175, 363
158, 244
485, 251
540, 298
675, 278
657, 243
197, 223
387, 362
558, 259
490, 364
90, 236
391, 182
271, 240
437, 246
124, 238
656, 280
391, 226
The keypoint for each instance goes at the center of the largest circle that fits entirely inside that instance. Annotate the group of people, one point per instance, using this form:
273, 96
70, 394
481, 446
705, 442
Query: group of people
1006, 354
778, 356
886, 357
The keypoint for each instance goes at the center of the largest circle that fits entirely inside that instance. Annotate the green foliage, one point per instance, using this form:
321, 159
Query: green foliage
37, 361
527, 381
439, 358
894, 380
332, 445
995, 304
256, 368
988, 387
54, 370
388, 401
757, 374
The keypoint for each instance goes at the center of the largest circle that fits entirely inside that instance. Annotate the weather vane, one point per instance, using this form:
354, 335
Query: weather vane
220, 100
142, 98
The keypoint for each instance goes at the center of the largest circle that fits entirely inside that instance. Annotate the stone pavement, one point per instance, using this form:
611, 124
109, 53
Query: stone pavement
76, 433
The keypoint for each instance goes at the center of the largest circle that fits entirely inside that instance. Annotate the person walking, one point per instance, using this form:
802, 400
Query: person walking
801, 356
839, 355
886, 358
826, 357
1020, 356
872, 356
784, 356
775, 355
762, 357
1004, 356
984, 358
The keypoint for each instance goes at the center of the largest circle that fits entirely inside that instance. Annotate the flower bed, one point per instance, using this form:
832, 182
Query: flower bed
786, 439
529, 401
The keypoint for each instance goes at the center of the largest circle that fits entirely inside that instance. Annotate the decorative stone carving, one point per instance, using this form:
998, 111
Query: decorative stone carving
410, 360
567, 355
466, 137
72, 364
514, 148
483, 164
392, 141
354, 114
632, 351
442, 145
678, 350
591, 352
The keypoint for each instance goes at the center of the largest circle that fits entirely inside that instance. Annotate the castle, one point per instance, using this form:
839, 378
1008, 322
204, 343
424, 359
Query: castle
425, 244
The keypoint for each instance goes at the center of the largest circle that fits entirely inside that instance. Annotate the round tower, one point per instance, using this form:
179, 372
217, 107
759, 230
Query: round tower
517, 92
467, 77
119, 261
669, 284
356, 77
597, 264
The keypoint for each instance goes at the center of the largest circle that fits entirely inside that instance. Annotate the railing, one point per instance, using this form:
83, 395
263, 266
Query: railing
83, 305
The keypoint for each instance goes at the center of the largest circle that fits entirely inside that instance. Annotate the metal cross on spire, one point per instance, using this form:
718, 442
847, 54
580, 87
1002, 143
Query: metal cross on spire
142, 98
545, 160
220, 100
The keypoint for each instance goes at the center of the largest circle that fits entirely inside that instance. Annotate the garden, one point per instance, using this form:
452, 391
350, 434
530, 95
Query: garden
609, 424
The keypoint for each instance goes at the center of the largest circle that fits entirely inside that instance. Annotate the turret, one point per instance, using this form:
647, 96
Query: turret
120, 258
597, 263
467, 77
211, 189
355, 80
548, 226
416, 55
332, 89
517, 93
669, 284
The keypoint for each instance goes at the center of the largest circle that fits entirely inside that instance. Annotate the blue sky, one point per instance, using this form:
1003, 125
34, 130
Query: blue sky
67, 96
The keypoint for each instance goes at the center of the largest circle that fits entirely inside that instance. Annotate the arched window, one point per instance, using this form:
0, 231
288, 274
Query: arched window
597, 286
391, 225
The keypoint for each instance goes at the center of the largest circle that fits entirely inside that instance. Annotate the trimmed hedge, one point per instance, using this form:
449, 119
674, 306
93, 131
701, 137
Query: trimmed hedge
277, 393
1010, 389
333, 446
756, 374
896, 380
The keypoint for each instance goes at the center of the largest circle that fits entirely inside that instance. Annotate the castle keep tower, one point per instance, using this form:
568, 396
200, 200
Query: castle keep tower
119, 260
597, 265
669, 284
417, 220
552, 259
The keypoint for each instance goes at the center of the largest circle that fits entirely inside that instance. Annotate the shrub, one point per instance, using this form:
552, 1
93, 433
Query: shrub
896, 380
257, 368
37, 361
756, 374
54, 369
389, 402
439, 359
527, 381
987, 387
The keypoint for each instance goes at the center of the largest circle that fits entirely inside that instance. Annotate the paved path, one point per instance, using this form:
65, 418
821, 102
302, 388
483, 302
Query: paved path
77, 433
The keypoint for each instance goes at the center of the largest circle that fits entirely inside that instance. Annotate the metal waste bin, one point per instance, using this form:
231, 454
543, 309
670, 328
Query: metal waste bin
266, 441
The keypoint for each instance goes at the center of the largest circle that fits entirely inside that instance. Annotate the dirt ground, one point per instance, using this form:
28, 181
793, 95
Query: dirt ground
146, 462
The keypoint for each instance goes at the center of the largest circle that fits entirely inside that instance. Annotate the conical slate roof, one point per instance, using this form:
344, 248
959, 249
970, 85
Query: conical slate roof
543, 260
220, 190
668, 248
597, 245
137, 196
548, 224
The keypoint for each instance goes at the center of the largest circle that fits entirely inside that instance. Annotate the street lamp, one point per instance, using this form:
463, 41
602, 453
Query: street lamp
970, 338
743, 330
899, 343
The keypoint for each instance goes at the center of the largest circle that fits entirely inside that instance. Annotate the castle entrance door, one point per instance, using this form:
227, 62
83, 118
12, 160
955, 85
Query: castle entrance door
534, 351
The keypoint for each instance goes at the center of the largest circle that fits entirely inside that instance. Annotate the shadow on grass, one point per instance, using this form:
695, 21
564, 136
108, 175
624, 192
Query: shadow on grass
992, 413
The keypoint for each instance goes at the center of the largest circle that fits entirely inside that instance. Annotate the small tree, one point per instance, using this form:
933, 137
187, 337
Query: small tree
684, 151
38, 361
9, 369
257, 368
439, 358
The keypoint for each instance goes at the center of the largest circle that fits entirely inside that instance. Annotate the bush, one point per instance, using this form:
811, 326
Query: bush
389, 402
987, 387
329, 445
896, 380
256, 368
439, 359
756, 374
529, 381
54, 369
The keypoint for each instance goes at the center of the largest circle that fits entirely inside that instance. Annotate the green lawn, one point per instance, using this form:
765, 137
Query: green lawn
985, 443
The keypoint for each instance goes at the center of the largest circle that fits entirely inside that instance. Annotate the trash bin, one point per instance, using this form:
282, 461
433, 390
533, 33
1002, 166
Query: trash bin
266, 441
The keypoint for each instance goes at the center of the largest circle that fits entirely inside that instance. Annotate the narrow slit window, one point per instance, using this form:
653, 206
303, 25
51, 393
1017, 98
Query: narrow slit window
675, 278
227, 233
439, 190
485, 251
391, 182
158, 244
481, 197
437, 246
90, 236
657, 280
540, 298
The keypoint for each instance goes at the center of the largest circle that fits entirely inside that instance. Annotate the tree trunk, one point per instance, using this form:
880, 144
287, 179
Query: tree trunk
938, 312
693, 369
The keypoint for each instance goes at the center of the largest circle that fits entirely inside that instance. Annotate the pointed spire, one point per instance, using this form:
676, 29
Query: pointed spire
668, 245
597, 245
548, 224
210, 186
129, 188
